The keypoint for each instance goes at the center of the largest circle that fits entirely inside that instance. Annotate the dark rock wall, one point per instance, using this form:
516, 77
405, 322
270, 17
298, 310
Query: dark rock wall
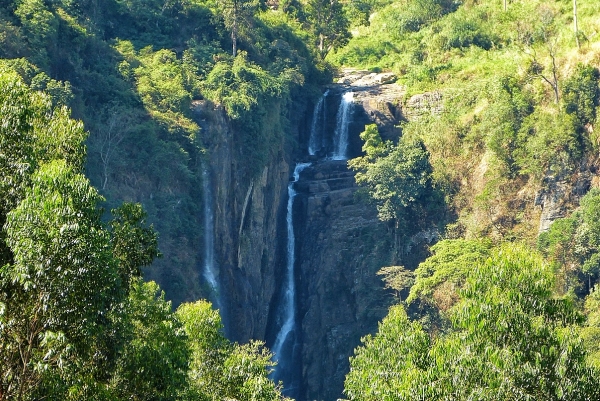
247, 212
340, 242
342, 246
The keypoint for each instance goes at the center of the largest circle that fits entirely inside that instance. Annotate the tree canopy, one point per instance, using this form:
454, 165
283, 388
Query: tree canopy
510, 338
76, 320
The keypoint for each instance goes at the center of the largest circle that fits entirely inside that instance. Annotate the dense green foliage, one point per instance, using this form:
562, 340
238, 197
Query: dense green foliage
510, 339
518, 99
572, 244
135, 72
397, 177
513, 113
440, 277
220, 369
77, 322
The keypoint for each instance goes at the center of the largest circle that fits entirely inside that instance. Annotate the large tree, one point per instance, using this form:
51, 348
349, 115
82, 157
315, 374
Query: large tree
328, 23
64, 272
238, 16
220, 369
62, 282
510, 339
397, 177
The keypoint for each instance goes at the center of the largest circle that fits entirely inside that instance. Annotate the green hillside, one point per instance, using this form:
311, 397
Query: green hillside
101, 165
131, 70
519, 87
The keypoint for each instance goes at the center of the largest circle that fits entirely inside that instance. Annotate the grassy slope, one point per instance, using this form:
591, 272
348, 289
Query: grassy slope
465, 53
130, 70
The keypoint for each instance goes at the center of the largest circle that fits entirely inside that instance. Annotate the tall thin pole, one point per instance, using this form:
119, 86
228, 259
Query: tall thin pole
575, 27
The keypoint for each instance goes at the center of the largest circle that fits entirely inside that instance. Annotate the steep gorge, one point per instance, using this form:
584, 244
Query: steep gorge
339, 242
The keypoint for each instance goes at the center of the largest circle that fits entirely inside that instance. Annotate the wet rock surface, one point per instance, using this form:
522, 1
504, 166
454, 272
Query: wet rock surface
340, 243
246, 226
343, 245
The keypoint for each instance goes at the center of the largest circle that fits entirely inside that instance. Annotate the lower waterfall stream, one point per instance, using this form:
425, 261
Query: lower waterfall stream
285, 342
210, 270
331, 146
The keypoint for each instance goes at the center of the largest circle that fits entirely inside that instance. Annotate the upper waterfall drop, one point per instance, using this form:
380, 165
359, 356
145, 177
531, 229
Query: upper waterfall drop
287, 309
210, 270
344, 114
315, 142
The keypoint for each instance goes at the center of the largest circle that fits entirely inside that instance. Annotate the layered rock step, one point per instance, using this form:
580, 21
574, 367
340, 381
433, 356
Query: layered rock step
340, 293
326, 176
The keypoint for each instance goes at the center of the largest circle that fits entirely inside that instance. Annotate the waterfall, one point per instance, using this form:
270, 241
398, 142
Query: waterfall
288, 305
340, 140
210, 269
314, 144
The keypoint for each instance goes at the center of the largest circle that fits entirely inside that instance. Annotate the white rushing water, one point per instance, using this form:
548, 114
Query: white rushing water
315, 140
210, 269
340, 140
288, 307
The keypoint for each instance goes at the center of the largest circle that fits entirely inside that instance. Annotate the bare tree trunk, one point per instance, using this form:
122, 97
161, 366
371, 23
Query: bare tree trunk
234, 26
537, 69
321, 42
505, 5
575, 27
234, 40
554, 83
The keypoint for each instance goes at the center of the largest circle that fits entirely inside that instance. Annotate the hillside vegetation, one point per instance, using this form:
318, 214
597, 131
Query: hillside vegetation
519, 97
76, 320
499, 311
132, 71
489, 317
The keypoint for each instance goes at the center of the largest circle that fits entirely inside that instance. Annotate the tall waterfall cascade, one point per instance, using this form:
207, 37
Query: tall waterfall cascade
287, 253
332, 146
284, 342
315, 142
210, 271
344, 115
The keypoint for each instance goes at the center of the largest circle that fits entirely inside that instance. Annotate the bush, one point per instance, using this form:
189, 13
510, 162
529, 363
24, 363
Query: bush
400, 18
460, 31
550, 143
581, 94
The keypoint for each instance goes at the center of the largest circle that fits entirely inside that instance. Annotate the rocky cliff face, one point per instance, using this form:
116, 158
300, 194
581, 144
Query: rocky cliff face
560, 192
247, 211
340, 243
341, 297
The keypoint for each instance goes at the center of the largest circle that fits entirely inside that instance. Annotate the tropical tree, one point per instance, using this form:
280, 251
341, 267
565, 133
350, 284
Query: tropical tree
511, 338
65, 276
57, 293
386, 366
238, 16
153, 362
441, 276
398, 177
32, 132
220, 369
328, 24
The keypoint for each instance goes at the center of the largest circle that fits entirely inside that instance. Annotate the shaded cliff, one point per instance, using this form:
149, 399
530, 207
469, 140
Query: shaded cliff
343, 246
246, 225
340, 243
